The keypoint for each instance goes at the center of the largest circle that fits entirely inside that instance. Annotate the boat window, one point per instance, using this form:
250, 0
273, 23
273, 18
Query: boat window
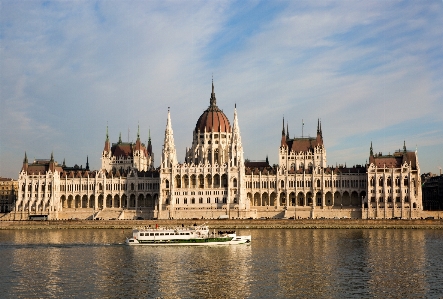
142, 234
151, 234
177, 234
187, 233
166, 234
162, 234
156, 234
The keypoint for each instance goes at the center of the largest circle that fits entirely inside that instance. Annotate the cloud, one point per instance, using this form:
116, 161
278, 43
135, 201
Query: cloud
69, 69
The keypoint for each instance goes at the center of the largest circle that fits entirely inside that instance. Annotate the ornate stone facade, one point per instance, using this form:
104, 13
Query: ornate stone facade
215, 180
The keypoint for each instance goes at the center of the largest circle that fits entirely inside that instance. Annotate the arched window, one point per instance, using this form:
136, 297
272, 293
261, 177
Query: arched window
234, 182
318, 183
166, 183
282, 184
380, 182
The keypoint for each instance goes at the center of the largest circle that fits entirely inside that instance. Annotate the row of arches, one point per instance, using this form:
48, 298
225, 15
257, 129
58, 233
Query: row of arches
201, 181
116, 201
34, 205
337, 199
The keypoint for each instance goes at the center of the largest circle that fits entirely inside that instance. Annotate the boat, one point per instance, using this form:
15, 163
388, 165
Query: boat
197, 235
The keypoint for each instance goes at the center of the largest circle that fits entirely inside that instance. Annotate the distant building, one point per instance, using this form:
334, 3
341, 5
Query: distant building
215, 180
8, 194
432, 189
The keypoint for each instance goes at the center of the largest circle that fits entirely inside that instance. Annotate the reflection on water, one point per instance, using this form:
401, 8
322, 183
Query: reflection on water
279, 264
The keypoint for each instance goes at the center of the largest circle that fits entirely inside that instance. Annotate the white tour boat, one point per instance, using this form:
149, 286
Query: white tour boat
193, 235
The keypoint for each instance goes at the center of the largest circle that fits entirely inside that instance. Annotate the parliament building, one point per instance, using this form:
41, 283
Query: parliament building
215, 181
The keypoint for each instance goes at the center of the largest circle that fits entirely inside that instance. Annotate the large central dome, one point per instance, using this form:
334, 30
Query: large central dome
213, 119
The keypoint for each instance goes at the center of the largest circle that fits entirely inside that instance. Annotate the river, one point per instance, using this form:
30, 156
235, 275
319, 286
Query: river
280, 263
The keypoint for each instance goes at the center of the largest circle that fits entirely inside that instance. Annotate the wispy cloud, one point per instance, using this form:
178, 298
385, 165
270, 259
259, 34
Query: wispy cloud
369, 70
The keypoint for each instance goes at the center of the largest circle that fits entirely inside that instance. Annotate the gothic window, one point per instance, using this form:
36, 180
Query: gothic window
406, 182
380, 182
234, 182
318, 183
185, 201
389, 182
216, 156
178, 181
193, 201
166, 183
201, 181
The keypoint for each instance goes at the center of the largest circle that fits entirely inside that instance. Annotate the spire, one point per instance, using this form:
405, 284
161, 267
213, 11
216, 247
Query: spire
404, 146
149, 143
52, 157
107, 144
87, 163
283, 130
236, 145
169, 155
25, 163
213, 100
283, 134
120, 138
138, 131
371, 152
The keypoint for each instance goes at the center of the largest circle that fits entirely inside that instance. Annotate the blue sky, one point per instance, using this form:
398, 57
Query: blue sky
370, 70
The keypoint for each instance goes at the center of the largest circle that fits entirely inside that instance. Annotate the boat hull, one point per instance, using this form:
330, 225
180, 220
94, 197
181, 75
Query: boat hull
238, 240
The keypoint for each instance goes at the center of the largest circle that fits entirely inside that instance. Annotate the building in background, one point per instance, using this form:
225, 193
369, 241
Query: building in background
432, 189
8, 194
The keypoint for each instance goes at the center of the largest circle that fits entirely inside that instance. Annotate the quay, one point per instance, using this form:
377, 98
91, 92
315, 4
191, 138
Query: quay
231, 224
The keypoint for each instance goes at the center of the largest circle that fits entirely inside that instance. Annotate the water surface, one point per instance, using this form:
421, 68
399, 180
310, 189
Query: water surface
280, 263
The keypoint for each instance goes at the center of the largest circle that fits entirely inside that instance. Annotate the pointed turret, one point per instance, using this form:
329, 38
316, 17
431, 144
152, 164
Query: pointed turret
87, 162
287, 131
149, 144
236, 145
371, 151
404, 146
52, 162
319, 133
283, 128
25, 163
107, 147
213, 100
120, 138
138, 143
283, 135
169, 155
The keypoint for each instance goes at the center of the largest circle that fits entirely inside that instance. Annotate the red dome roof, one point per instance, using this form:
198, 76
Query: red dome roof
213, 119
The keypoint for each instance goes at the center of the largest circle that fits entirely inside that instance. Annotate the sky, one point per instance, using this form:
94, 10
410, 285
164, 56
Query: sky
371, 71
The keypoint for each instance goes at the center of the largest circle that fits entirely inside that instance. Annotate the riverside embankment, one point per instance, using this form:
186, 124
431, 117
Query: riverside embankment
232, 224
